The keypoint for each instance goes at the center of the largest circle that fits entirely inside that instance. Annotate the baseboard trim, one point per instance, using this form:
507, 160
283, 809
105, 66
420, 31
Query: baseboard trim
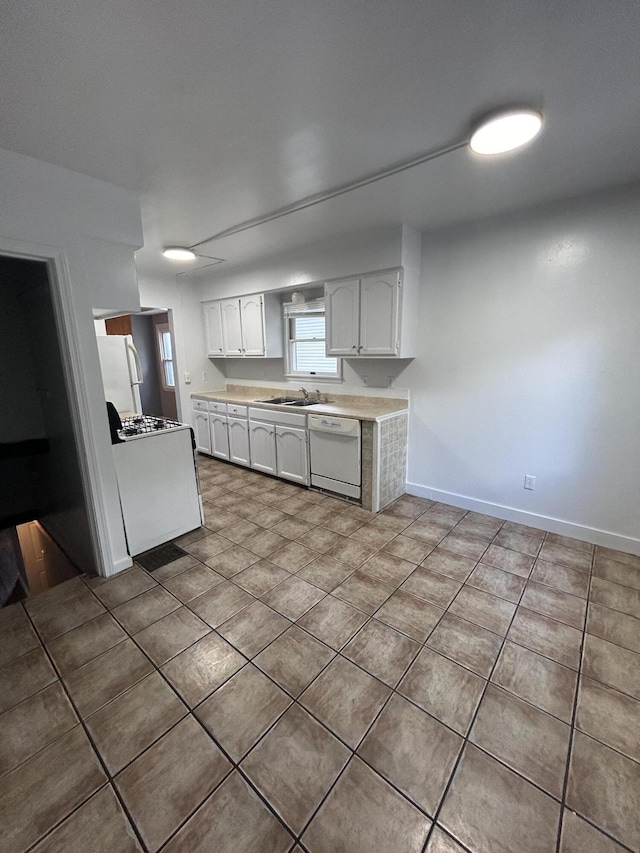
628, 544
119, 566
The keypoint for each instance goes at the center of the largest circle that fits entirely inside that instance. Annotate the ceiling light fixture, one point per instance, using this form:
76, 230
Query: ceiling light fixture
505, 131
179, 253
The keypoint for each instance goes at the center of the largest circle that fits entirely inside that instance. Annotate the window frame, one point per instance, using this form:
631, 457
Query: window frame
291, 311
161, 330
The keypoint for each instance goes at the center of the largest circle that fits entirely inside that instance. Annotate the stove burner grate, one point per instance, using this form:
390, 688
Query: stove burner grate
146, 424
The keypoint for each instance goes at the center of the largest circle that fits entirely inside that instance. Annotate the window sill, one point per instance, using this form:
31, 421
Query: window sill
312, 377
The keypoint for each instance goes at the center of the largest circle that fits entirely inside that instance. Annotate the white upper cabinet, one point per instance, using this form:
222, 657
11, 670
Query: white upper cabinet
252, 325
379, 296
365, 317
213, 327
342, 314
247, 326
232, 327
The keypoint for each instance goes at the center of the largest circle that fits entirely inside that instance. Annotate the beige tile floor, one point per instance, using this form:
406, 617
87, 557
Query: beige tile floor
312, 677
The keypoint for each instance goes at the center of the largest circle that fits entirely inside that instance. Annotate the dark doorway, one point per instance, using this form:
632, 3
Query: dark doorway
39, 463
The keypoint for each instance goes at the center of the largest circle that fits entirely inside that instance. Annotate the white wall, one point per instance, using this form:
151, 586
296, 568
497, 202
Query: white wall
89, 229
529, 363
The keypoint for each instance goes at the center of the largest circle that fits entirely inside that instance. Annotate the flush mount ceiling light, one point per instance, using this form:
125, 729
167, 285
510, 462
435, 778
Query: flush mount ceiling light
178, 253
505, 131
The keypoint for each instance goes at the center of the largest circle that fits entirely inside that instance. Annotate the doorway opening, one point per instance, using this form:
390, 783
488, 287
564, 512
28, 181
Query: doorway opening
153, 340
39, 461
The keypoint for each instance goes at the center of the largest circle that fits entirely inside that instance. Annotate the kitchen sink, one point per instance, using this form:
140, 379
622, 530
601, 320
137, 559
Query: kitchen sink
289, 401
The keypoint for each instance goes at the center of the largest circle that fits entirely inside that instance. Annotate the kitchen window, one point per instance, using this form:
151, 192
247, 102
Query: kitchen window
305, 342
165, 353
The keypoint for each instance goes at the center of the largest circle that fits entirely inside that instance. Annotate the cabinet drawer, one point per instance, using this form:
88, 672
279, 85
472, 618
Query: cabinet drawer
200, 405
237, 411
271, 416
218, 408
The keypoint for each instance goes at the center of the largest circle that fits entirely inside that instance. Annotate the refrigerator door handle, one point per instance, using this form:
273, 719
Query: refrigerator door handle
138, 379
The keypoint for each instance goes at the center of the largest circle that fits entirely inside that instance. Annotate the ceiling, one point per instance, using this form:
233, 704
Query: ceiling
218, 111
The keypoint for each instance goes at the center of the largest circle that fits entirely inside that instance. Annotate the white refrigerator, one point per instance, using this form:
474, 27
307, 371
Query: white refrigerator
121, 372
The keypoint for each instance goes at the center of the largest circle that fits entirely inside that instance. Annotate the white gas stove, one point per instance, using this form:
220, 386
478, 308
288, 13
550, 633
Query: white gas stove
157, 480
141, 426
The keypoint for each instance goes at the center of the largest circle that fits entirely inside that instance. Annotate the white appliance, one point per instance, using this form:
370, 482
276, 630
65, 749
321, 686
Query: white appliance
121, 372
334, 454
157, 481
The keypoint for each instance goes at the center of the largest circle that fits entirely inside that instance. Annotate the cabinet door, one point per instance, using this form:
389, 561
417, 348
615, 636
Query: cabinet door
213, 327
262, 445
379, 314
231, 327
201, 430
219, 436
252, 325
291, 454
342, 312
239, 440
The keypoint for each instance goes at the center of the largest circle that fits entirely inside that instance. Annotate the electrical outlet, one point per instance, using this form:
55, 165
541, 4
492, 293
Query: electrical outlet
205, 375
187, 378
391, 382
365, 381
529, 481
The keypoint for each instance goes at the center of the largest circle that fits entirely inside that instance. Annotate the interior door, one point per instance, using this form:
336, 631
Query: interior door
231, 327
252, 325
379, 314
342, 315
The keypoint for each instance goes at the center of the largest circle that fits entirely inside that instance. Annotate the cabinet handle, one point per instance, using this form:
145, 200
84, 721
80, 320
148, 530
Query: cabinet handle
354, 347
239, 349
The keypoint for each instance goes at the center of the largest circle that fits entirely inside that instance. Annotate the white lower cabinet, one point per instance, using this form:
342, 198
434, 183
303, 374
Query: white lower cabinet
201, 427
263, 446
291, 454
238, 440
278, 444
270, 441
219, 435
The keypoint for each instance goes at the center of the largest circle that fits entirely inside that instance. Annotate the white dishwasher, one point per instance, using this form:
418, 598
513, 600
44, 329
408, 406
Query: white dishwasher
334, 452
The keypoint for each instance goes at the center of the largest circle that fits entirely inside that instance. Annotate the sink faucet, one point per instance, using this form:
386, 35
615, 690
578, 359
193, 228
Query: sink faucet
305, 394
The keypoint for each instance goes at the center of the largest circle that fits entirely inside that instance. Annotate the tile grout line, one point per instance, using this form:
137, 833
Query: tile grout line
563, 805
466, 740
368, 729
567, 770
97, 755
